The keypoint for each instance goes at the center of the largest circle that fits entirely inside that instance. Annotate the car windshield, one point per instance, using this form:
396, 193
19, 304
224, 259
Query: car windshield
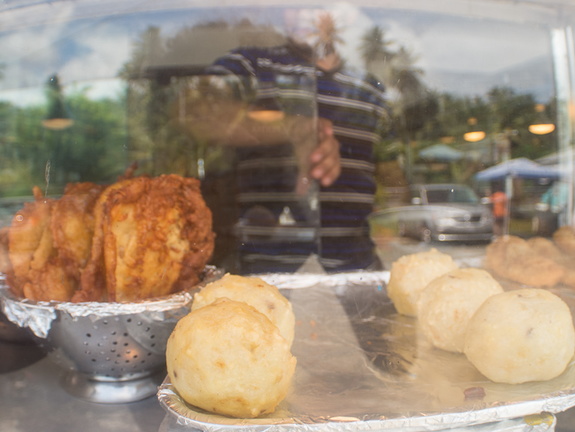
452, 195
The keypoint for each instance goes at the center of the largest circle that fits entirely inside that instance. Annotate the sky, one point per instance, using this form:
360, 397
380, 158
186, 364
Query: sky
87, 51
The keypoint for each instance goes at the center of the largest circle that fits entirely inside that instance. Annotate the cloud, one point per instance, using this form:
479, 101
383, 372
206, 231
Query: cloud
93, 50
27, 57
103, 54
477, 46
353, 23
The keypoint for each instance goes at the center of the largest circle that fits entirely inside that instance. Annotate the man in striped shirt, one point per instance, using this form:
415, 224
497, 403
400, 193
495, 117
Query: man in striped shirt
281, 227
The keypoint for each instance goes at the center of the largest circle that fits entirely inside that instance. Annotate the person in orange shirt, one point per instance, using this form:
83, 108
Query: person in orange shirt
499, 204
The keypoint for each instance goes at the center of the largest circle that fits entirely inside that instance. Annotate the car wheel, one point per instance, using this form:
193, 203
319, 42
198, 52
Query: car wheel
425, 234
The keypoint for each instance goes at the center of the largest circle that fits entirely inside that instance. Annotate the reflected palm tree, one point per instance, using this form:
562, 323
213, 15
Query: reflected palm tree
376, 54
328, 36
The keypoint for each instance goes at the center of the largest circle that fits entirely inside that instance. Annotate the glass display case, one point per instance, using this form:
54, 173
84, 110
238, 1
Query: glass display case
90, 88
308, 126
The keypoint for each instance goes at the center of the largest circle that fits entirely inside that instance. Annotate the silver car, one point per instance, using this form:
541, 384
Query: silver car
445, 212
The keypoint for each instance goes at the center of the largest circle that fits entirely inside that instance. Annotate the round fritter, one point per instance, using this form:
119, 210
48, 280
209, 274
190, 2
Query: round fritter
521, 335
410, 274
448, 302
254, 291
228, 358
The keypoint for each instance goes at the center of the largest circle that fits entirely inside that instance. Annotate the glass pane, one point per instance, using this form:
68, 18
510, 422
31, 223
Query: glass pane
93, 89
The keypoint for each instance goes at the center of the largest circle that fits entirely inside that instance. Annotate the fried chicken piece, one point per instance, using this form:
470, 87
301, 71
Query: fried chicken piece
49, 283
49, 243
513, 258
35, 272
29, 241
153, 237
72, 226
5, 266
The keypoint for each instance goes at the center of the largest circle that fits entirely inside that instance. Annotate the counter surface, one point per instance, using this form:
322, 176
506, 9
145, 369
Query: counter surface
32, 400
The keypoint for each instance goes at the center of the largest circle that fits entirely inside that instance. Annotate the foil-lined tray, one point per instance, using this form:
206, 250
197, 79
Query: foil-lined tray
363, 367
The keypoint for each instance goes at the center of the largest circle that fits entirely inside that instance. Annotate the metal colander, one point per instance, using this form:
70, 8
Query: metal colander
110, 352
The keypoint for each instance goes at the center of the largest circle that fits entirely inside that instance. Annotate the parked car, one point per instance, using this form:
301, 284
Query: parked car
444, 212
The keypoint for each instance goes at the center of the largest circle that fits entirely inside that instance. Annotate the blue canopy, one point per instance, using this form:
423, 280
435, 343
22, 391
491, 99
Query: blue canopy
517, 168
440, 153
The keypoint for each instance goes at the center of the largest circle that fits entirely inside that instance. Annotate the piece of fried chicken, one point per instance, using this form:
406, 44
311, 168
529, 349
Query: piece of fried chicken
49, 243
5, 265
153, 237
31, 253
72, 226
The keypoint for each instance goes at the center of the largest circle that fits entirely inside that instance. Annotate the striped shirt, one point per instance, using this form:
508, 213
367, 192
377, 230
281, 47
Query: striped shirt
268, 174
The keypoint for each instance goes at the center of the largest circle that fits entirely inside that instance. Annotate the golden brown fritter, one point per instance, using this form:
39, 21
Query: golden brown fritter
550, 249
72, 226
153, 237
136, 239
30, 244
5, 266
49, 282
47, 243
544, 246
564, 238
513, 258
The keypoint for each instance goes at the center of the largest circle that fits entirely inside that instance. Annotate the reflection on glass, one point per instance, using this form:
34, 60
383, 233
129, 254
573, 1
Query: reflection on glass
543, 126
134, 86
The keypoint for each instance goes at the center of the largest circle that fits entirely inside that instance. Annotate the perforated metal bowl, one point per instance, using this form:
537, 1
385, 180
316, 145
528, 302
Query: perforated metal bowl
110, 352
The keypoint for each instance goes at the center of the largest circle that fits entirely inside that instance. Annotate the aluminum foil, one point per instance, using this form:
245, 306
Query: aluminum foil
39, 315
363, 367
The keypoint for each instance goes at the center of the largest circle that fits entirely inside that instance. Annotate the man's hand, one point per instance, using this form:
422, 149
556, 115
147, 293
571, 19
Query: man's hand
325, 159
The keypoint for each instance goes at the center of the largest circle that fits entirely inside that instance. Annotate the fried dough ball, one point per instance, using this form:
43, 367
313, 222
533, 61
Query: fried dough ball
520, 336
230, 359
512, 258
448, 302
254, 291
410, 274
153, 237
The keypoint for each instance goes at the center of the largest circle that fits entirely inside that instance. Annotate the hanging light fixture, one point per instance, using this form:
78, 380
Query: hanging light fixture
266, 108
265, 115
543, 125
58, 117
474, 133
